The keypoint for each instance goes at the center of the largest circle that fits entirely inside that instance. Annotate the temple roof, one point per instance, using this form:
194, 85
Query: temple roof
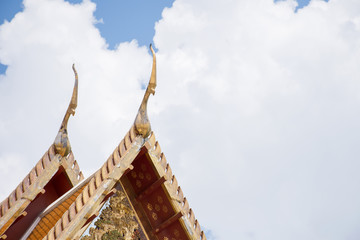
138, 164
134, 159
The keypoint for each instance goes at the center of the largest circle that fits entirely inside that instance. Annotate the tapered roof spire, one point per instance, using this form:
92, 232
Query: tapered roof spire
142, 123
62, 143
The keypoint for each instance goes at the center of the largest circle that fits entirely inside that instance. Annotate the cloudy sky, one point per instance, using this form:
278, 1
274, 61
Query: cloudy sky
257, 106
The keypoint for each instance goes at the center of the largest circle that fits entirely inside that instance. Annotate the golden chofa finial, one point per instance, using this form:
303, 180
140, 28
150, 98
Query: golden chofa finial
62, 143
142, 123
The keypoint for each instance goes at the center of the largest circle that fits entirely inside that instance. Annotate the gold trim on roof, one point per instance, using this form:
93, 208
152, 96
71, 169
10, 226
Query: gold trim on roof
62, 143
174, 191
142, 123
99, 187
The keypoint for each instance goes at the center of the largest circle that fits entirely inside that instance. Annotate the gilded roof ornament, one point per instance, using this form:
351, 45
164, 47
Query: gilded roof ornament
142, 123
62, 143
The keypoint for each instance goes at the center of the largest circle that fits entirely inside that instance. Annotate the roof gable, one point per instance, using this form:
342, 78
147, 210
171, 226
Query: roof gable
53, 175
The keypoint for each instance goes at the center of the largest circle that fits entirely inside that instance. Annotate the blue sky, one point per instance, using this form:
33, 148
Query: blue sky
123, 20
257, 106
135, 18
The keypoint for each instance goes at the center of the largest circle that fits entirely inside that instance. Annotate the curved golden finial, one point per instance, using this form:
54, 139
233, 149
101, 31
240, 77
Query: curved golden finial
142, 123
62, 143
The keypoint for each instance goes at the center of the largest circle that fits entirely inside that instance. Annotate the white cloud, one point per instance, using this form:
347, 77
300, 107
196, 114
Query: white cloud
257, 108
266, 104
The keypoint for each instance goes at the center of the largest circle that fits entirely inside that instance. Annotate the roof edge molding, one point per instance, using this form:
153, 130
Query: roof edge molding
62, 143
142, 123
